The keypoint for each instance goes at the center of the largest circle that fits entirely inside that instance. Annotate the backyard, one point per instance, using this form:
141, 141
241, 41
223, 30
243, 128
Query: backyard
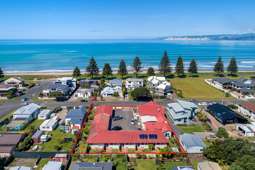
193, 128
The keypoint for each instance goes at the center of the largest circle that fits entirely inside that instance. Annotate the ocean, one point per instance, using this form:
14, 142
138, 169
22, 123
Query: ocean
64, 55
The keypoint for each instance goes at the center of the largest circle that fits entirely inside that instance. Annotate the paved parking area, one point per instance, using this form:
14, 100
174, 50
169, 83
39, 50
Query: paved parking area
123, 118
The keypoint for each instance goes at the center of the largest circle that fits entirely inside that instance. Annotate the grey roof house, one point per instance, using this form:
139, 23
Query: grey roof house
192, 143
181, 112
92, 166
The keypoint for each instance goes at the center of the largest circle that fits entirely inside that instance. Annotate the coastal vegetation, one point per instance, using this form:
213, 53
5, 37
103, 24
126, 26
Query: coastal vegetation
150, 71
107, 70
165, 67
92, 68
232, 67
137, 65
193, 68
1, 73
76, 72
219, 67
122, 68
179, 69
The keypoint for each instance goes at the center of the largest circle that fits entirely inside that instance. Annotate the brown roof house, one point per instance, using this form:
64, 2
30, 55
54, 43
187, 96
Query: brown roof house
8, 142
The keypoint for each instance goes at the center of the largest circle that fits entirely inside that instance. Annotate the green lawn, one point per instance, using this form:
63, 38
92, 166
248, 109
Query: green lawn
172, 164
196, 88
145, 164
57, 138
33, 125
192, 128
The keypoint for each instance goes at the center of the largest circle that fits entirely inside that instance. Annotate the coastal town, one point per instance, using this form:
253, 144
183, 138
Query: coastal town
168, 118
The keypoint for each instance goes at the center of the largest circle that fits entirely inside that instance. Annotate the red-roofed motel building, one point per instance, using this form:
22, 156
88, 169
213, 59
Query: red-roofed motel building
139, 126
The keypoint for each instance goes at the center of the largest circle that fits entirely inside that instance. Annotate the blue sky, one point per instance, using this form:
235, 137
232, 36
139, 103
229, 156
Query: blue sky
123, 18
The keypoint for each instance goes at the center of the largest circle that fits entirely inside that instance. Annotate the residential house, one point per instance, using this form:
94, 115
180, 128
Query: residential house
45, 138
49, 124
28, 112
224, 114
159, 86
44, 114
208, 165
55, 90
67, 81
90, 166
247, 109
74, 119
247, 130
111, 91
53, 165
89, 83
181, 112
191, 143
133, 83
83, 93
8, 142
245, 87
15, 82
115, 82
37, 136
7, 91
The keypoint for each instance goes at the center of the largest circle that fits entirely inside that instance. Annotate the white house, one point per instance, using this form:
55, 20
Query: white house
109, 91
133, 83
53, 165
158, 85
247, 109
44, 114
15, 81
83, 93
49, 124
181, 112
246, 129
191, 143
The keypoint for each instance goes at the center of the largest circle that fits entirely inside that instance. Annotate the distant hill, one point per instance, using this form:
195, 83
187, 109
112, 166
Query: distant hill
230, 37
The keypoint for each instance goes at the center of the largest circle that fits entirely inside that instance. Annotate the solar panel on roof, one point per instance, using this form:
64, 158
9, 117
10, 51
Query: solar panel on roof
153, 136
143, 136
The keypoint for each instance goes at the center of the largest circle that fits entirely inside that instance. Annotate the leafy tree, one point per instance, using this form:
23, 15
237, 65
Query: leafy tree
229, 150
92, 68
141, 93
232, 67
164, 67
1, 73
122, 68
246, 162
222, 133
179, 69
193, 67
137, 65
150, 71
219, 67
107, 70
76, 72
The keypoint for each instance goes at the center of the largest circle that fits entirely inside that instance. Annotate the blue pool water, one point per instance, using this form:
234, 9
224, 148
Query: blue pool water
38, 55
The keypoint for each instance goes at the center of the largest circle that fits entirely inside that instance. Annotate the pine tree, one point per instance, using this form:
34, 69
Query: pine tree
107, 70
76, 72
219, 67
179, 69
164, 67
122, 68
150, 71
232, 67
193, 67
1, 73
137, 65
92, 68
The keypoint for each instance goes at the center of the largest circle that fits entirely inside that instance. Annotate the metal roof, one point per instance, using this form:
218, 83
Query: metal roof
27, 110
190, 140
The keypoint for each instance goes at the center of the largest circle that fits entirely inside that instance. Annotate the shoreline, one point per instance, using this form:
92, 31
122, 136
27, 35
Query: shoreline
69, 72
